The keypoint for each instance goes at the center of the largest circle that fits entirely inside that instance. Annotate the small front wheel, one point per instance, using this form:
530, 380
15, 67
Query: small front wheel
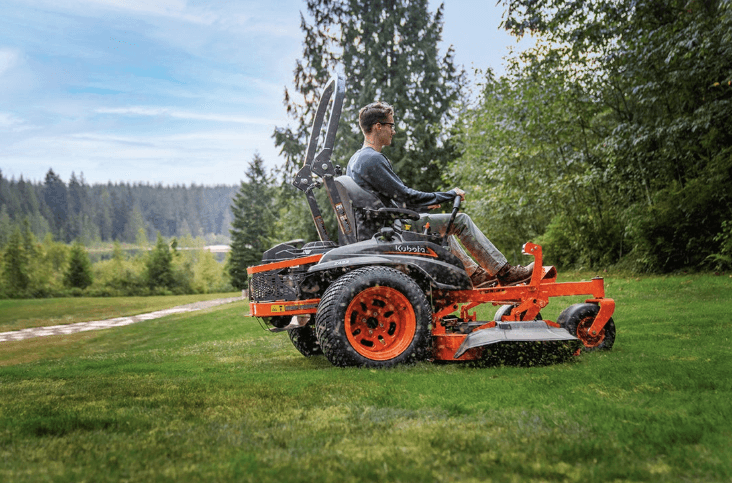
374, 317
578, 319
305, 340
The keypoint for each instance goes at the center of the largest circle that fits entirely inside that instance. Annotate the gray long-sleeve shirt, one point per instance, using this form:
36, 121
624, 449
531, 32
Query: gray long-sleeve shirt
372, 171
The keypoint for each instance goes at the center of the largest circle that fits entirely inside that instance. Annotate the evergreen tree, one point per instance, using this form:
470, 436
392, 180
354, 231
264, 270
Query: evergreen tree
55, 198
79, 271
5, 226
253, 222
136, 229
388, 51
159, 265
15, 265
103, 216
29, 240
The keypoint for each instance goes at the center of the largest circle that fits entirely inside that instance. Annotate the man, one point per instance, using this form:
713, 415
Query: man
371, 170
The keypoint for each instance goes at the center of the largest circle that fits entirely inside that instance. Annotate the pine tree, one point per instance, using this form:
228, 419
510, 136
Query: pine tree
253, 222
5, 225
159, 265
388, 51
79, 271
15, 265
55, 197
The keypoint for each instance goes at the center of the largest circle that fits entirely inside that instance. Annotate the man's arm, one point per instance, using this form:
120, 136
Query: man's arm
378, 173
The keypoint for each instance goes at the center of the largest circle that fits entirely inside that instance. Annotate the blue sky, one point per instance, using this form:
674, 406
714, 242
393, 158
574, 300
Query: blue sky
171, 92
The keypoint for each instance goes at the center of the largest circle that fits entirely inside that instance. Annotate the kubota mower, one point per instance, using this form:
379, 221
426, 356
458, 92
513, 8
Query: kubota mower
401, 296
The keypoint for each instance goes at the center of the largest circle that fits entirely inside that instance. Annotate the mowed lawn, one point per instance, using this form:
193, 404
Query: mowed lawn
24, 314
210, 396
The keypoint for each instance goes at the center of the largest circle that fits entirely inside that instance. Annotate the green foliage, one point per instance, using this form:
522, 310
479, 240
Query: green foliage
57, 270
294, 219
723, 259
158, 266
387, 51
253, 225
209, 275
15, 266
608, 140
118, 277
79, 272
5, 226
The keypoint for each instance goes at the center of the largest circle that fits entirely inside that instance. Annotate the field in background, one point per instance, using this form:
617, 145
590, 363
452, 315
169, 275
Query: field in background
209, 396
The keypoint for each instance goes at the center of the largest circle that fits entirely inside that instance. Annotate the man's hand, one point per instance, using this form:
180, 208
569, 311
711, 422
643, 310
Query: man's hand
460, 193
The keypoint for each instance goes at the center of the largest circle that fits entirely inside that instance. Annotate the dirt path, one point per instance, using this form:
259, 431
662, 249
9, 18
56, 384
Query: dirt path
106, 324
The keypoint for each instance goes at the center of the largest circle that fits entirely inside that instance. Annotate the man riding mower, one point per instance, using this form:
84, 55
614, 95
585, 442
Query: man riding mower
392, 291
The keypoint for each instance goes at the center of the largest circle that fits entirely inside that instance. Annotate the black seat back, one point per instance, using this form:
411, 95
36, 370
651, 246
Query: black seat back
356, 201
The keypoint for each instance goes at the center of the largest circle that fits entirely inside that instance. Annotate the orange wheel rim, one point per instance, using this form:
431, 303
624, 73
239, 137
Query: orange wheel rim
583, 333
380, 323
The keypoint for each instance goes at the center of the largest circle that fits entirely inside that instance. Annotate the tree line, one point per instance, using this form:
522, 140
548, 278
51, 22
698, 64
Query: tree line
45, 229
32, 268
121, 212
608, 142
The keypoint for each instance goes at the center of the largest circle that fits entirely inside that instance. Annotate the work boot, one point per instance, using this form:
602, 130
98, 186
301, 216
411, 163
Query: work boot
482, 279
509, 275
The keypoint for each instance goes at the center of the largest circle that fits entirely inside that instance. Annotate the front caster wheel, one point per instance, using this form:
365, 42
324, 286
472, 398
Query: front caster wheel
305, 340
578, 319
374, 317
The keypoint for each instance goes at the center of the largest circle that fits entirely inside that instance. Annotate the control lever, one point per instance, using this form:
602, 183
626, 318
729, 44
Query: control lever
455, 209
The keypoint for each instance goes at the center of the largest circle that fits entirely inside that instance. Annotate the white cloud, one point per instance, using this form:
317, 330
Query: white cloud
12, 123
204, 157
179, 114
8, 59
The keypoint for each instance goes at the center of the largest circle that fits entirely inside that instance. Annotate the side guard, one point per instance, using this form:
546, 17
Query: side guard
532, 330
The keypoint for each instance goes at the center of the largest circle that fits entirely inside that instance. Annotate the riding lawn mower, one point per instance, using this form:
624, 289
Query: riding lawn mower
398, 296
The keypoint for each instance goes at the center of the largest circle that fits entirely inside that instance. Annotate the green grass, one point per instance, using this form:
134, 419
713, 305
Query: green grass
209, 396
22, 314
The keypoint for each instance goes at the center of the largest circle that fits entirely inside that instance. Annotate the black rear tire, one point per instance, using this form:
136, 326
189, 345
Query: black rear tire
305, 340
374, 317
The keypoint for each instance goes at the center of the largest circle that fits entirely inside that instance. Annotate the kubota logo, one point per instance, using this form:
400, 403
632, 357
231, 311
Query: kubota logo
412, 250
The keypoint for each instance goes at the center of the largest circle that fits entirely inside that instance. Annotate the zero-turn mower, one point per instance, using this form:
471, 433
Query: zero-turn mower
400, 296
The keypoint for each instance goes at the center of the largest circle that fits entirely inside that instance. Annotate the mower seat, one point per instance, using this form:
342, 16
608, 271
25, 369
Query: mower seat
365, 211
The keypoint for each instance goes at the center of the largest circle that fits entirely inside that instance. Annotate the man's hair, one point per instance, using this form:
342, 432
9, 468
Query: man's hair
374, 113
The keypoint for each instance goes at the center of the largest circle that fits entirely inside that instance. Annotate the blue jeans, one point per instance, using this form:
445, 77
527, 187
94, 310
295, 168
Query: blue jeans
479, 246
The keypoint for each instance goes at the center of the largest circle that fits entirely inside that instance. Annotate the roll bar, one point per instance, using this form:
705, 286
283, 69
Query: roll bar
321, 164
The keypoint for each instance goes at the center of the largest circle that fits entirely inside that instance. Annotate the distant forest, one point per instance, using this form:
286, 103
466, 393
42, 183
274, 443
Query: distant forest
114, 211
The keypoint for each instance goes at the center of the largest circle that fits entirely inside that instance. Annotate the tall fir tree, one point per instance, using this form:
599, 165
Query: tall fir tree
56, 198
388, 51
253, 222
